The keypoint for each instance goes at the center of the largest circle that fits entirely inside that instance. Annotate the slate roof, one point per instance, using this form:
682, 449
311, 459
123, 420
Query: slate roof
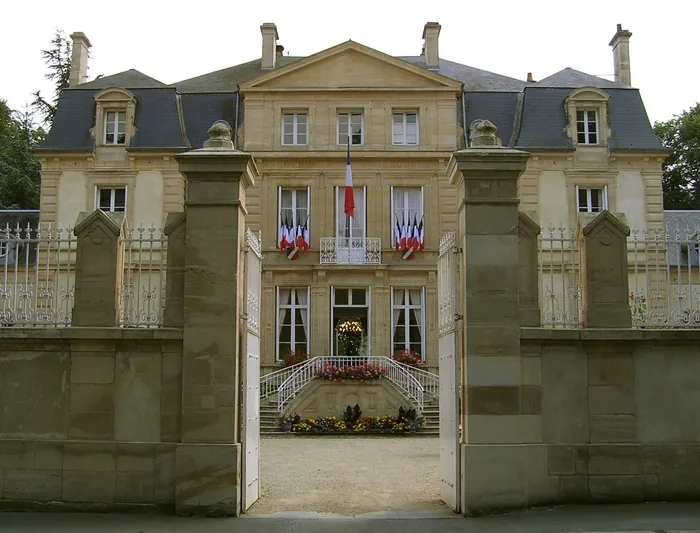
499, 108
687, 225
128, 78
474, 79
226, 80
157, 121
573, 79
543, 121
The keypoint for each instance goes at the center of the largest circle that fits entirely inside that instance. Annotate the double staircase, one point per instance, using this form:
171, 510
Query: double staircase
419, 387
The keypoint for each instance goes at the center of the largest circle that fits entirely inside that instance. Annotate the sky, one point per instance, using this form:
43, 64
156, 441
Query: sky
173, 41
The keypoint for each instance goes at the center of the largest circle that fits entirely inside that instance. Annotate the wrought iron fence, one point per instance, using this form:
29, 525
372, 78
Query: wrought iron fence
665, 277
142, 294
560, 278
37, 275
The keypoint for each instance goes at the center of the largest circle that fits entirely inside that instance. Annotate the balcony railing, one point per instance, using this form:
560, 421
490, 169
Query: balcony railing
351, 251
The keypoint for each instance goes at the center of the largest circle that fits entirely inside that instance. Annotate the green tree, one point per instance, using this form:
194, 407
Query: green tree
57, 60
20, 177
681, 169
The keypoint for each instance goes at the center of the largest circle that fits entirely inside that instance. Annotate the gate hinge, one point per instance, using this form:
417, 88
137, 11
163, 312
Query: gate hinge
457, 250
458, 317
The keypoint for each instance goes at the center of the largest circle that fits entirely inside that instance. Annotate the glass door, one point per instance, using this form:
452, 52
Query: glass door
350, 322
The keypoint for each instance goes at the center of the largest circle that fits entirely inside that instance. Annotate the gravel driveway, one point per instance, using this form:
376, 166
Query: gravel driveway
348, 475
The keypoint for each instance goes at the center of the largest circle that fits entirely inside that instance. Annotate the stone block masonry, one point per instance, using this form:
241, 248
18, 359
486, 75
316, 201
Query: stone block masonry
90, 417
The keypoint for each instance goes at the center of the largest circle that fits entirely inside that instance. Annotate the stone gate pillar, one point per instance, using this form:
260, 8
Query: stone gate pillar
501, 412
208, 460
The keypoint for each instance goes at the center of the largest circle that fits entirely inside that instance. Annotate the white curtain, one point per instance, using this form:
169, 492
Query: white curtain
415, 296
282, 299
302, 299
414, 210
397, 301
357, 224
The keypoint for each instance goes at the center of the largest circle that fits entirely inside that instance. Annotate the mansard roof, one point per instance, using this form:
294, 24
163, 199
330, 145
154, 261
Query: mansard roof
528, 115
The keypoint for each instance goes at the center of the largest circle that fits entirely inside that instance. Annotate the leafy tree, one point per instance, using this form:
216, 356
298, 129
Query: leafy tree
57, 60
20, 178
681, 169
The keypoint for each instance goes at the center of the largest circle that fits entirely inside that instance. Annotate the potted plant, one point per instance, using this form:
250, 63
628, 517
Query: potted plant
287, 424
408, 357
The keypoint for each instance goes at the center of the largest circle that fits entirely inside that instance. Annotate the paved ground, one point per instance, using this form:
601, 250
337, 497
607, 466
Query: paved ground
349, 475
651, 518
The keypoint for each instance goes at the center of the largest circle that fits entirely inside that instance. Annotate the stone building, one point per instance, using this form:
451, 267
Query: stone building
114, 138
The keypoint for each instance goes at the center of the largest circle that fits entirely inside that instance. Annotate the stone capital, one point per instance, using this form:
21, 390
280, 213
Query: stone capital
486, 163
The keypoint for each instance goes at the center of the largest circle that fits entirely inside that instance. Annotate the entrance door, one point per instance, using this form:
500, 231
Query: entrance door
251, 374
450, 490
350, 320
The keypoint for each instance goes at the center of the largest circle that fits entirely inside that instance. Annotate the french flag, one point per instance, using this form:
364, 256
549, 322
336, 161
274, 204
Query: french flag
349, 194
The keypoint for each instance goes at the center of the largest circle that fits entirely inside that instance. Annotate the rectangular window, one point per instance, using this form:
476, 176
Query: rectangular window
111, 199
293, 215
294, 129
408, 312
407, 212
352, 123
405, 129
115, 127
591, 200
292, 321
350, 227
587, 127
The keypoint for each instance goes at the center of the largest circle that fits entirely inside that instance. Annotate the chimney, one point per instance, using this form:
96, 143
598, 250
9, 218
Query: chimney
280, 50
530, 79
621, 56
79, 59
431, 34
269, 45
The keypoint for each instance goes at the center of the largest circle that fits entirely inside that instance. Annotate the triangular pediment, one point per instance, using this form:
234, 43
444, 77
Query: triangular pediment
348, 66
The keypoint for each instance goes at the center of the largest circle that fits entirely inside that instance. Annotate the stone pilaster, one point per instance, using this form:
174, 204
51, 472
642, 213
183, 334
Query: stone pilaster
173, 316
529, 282
208, 461
98, 269
605, 272
503, 459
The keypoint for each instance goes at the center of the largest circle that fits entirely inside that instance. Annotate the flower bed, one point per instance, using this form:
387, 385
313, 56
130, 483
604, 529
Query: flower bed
370, 424
340, 374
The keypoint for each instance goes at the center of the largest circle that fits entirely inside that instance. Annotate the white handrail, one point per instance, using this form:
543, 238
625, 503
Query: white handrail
397, 374
270, 383
430, 381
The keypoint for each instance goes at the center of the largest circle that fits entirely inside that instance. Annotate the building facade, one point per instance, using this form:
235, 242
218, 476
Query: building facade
396, 121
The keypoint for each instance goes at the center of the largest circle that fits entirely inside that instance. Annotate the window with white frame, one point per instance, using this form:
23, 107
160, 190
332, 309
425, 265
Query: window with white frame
408, 313
112, 199
293, 211
3, 246
115, 127
295, 129
590, 200
587, 126
351, 124
405, 128
406, 207
350, 227
292, 321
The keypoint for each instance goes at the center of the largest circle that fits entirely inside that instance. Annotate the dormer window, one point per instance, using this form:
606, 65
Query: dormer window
587, 111
114, 120
115, 127
587, 126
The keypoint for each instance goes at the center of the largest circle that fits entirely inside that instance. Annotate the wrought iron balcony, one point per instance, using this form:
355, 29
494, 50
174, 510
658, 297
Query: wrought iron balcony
351, 251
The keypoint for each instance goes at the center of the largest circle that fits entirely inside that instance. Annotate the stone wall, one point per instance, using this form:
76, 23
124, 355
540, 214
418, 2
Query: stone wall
89, 417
